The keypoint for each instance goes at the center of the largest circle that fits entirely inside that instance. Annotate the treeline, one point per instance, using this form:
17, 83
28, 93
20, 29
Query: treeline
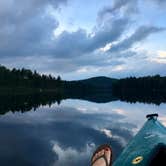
150, 89
26, 78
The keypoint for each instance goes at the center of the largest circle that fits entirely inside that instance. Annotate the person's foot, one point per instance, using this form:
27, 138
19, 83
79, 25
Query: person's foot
102, 156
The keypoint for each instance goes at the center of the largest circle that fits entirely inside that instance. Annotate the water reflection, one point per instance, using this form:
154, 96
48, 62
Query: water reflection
68, 134
23, 103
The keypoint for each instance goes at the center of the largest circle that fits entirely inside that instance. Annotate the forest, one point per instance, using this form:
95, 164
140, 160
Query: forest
151, 89
22, 79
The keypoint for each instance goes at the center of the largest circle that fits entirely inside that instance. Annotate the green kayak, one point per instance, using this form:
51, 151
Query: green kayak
148, 147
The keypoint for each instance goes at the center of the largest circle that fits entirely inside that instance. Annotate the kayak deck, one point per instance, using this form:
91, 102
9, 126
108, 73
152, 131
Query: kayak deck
145, 145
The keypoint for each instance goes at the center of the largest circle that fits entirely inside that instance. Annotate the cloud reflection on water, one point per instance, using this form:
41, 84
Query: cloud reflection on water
69, 133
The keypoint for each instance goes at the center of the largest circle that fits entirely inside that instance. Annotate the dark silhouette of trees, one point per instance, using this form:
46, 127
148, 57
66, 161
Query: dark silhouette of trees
59, 78
151, 89
17, 78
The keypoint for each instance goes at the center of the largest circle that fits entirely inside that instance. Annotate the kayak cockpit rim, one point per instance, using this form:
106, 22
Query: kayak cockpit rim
152, 116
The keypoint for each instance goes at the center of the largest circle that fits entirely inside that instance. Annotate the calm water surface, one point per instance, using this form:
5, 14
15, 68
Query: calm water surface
66, 135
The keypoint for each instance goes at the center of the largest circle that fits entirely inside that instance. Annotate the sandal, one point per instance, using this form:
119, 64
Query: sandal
104, 147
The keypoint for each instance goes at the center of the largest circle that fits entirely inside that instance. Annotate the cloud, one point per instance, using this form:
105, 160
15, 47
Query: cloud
27, 35
26, 26
52, 137
120, 139
160, 3
119, 6
71, 44
71, 156
159, 58
139, 35
27, 30
135, 66
18, 12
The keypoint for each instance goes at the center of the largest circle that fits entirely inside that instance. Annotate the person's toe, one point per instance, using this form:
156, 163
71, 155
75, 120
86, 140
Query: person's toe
95, 156
108, 154
100, 153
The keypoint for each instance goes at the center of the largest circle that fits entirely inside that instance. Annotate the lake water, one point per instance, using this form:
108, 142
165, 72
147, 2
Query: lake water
67, 134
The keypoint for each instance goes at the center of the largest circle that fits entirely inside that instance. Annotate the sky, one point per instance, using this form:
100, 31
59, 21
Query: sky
78, 39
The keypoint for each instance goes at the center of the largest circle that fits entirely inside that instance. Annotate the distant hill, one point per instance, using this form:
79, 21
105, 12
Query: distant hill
96, 89
14, 82
95, 82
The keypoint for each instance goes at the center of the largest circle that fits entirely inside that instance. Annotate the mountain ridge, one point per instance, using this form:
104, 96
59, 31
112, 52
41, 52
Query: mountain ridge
100, 81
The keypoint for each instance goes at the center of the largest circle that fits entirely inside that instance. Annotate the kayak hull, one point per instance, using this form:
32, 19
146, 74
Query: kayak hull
143, 147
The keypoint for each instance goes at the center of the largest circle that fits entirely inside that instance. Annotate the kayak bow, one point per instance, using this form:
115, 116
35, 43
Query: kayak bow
147, 148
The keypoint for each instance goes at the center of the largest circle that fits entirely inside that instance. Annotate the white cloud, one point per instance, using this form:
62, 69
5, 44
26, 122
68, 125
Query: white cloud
106, 48
69, 156
120, 111
118, 68
160, 57
109, 134
162, 54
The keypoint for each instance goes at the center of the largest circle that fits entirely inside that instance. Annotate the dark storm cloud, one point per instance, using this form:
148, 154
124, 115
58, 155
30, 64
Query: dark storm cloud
17, 12
26, 35
111, 32
28, 38
78, 43
127, 7
140, 34
26, 26
27, 30
159, 2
